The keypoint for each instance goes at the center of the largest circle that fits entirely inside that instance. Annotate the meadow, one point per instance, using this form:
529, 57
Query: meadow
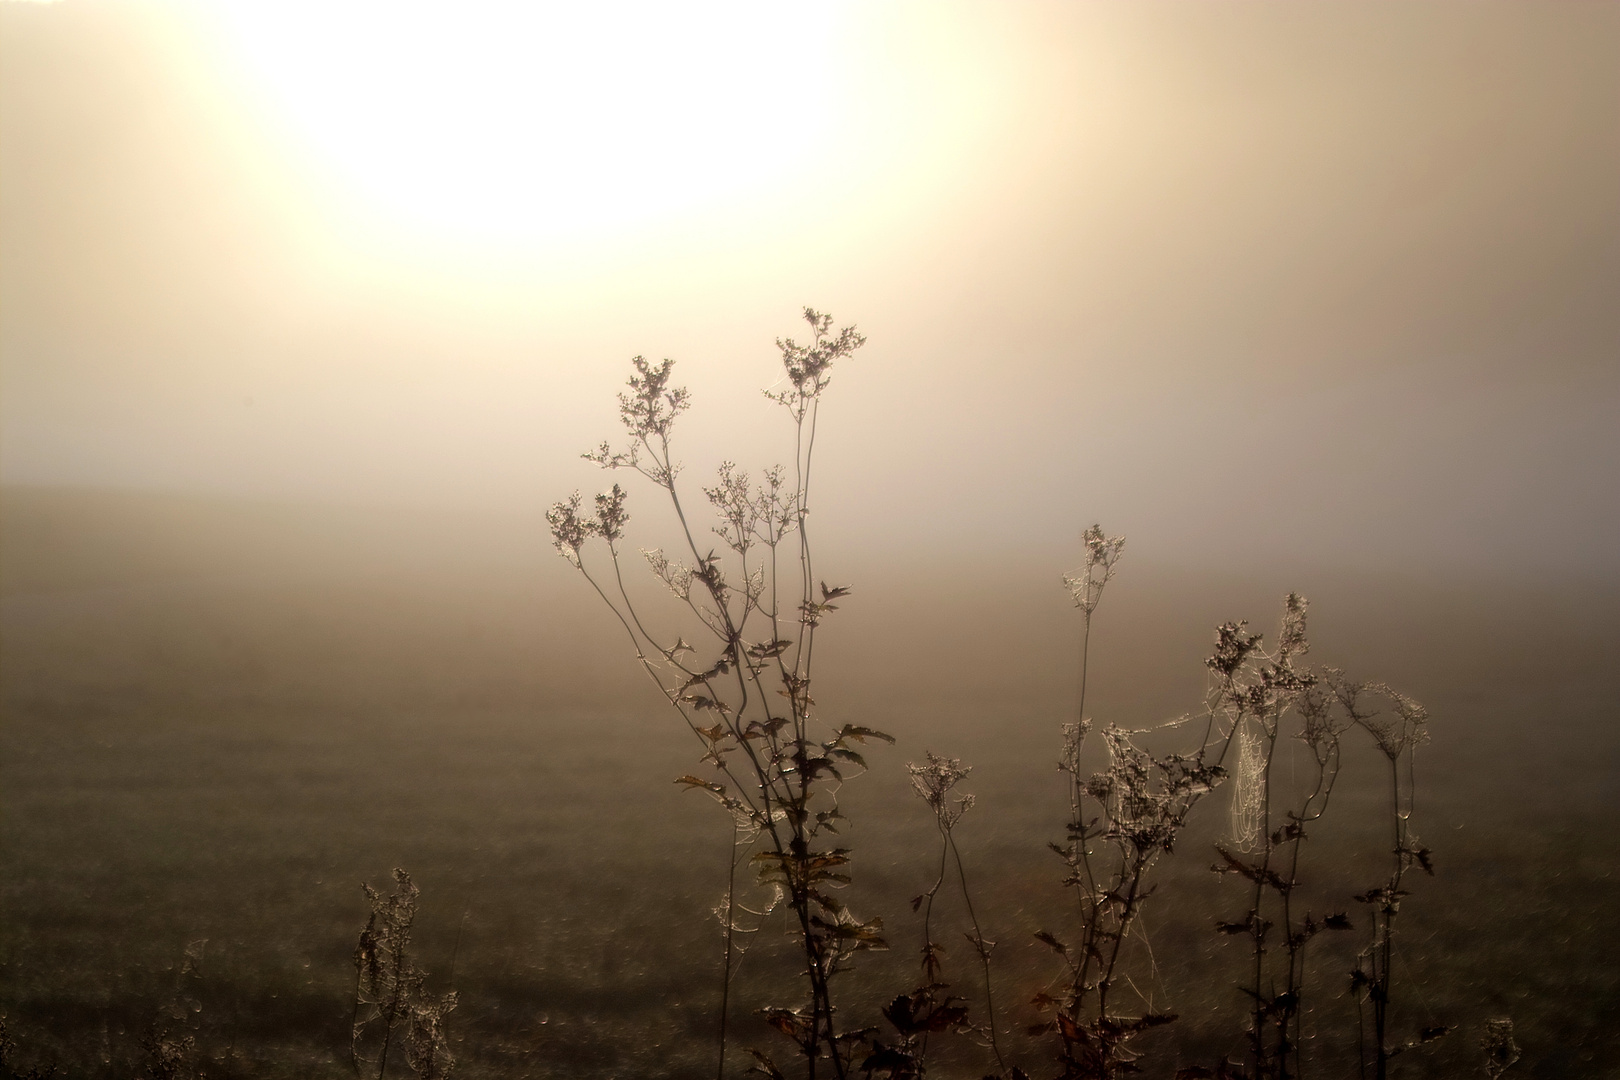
220, 717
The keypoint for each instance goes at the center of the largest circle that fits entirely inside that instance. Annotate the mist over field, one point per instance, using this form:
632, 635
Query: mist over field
306, 315
221, 716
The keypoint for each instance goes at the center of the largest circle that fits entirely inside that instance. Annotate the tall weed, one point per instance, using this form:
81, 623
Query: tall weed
755, 602
730, 644
753, 605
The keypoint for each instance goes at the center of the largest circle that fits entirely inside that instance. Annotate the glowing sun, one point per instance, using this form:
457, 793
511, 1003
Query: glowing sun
511, 123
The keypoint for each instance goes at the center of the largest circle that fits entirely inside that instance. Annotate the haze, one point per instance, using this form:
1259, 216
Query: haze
1332, 283
307, 311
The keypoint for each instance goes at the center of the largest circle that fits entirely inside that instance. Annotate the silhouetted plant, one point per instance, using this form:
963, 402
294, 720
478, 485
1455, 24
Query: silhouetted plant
1120, 822
1266, 701
755, 609
1397, 729
391, 991
776, 768
754, 604
930, 1008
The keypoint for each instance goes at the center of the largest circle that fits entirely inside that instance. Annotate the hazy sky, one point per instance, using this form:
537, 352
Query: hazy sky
1334, 283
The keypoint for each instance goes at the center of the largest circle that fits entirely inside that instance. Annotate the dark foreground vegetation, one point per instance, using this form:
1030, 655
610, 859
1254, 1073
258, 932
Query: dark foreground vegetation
1288, 878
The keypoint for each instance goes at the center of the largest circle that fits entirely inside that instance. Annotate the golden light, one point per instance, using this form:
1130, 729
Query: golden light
505, 124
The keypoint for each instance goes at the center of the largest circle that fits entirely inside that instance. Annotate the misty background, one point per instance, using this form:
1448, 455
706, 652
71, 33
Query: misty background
1333, 285
307, 312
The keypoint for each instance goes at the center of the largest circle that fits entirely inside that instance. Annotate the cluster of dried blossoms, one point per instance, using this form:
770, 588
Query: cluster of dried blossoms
751, 607
1121, 820
743, 683
1261, 703
391, 991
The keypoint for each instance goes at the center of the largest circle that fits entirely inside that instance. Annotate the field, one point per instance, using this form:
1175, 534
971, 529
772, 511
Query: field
220, 718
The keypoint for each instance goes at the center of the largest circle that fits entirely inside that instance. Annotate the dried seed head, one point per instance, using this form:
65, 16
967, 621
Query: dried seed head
1086, 584
569, 531
807, 365
1291, 641
611, 514
933, 782
650, 409
1232, 647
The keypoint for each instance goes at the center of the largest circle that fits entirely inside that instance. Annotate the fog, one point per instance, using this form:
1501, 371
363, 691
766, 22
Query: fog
307, 313
1332, 285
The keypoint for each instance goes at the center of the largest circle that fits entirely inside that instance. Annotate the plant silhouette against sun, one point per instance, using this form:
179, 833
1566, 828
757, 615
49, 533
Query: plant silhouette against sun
743, 687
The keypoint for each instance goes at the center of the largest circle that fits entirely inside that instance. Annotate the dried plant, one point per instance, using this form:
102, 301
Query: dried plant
1396, 725
1266, 701
1123, 819
753, 604
1120, 822
930, 1008
391, 991
779, 781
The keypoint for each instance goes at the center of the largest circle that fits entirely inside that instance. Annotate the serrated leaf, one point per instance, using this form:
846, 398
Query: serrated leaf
848, 755
861, 734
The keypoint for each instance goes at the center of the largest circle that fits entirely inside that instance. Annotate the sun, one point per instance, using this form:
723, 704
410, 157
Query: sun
512, 123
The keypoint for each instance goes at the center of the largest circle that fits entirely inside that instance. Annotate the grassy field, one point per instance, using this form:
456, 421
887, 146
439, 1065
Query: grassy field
219, 719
